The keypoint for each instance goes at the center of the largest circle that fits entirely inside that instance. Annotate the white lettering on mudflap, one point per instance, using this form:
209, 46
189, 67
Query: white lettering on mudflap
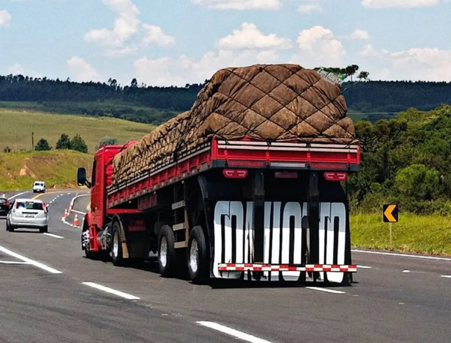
234, 236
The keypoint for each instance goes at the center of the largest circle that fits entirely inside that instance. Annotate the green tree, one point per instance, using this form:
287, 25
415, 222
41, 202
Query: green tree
42, 145
418, 181
78, 144
106, 141
63, 142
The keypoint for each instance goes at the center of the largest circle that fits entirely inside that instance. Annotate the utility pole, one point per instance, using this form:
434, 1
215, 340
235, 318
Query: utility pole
32, 141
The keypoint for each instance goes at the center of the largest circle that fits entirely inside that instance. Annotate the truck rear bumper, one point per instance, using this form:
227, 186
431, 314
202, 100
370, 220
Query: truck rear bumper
258, 267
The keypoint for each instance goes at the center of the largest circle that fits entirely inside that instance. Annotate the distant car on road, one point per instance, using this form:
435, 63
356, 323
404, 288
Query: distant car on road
4, 206
39, 187
27, 213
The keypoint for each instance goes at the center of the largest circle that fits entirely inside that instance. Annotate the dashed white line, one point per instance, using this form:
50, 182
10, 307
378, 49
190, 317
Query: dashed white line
325, 290
446, 276
13, 262
363, 267
111, 291
232, 332
52, 235
402, 255
30, 261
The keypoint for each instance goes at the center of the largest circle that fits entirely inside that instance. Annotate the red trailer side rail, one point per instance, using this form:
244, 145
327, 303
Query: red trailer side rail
240, 154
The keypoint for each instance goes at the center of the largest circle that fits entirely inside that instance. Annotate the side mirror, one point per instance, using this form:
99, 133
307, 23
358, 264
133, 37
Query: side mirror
81, 178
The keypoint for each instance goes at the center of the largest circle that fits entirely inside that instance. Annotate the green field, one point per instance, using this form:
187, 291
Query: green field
57, 168
417, 234
17, 126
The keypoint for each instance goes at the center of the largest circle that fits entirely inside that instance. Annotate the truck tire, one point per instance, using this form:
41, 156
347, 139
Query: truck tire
167, 259
197, 256
116, 245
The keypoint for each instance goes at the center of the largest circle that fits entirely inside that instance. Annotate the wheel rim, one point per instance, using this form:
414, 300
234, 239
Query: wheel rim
163, 252
115, 244
194, 256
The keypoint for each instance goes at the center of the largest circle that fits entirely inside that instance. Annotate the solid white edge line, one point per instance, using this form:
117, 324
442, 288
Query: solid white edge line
232, 332
402, 255
110, 290
447, 276
30, 261
53, 235
325, 290
13, 262
363, 267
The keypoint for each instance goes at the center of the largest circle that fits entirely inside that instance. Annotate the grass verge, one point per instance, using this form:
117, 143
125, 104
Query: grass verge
415, 234
57, 168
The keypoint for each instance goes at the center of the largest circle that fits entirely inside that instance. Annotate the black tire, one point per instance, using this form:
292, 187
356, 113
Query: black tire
9, 227
197, 256
116, 245
167, 258
44, 229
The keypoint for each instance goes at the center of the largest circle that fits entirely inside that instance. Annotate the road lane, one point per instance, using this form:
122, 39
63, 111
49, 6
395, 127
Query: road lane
384, 305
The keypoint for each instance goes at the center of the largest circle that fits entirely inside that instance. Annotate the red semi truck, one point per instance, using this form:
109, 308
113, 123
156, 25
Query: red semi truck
235, 209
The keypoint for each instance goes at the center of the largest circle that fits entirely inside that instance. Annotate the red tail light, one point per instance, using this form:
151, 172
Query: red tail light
235, 173
335, 176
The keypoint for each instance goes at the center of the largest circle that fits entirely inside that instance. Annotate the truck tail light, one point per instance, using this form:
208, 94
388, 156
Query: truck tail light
286, 175
235, 173
335, 176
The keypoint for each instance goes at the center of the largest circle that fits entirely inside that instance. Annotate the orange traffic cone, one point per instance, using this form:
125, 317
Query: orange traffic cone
65, 213
76, 223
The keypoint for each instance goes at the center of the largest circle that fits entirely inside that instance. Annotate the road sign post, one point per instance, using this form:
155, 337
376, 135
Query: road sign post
390, 215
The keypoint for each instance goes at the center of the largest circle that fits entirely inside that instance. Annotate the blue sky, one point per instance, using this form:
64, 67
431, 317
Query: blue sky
174, 42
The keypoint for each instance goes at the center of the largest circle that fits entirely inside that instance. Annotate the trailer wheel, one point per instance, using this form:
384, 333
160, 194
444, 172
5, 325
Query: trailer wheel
116, 245
166, 251
197, 256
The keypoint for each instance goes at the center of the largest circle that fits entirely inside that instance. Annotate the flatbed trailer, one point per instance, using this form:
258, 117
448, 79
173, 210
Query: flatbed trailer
237, 209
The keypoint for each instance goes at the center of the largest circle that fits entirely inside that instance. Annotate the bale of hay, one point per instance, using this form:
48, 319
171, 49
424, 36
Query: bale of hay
283, 102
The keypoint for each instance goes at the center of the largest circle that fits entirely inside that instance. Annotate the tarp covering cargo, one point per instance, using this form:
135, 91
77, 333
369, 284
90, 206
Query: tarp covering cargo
270, 103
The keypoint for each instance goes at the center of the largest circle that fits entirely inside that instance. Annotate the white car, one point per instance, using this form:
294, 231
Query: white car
39, 187
29, 214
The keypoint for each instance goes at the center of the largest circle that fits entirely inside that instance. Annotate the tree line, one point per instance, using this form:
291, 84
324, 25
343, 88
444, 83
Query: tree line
405, 160
148, 104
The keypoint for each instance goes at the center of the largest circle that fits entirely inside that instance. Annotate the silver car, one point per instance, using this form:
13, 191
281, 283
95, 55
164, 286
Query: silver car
27, 213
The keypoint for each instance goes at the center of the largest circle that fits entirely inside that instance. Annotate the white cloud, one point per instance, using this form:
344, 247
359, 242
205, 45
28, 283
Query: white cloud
155, 35
16, 69
182, 70
82, 70
250, 37
240, 4
309, 8
5, 18
400, 3
118, 52
125, 26
360, 34
318, 46
370, 52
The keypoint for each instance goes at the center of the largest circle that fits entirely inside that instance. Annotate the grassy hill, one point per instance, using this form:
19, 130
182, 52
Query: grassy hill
57, 168
17, 126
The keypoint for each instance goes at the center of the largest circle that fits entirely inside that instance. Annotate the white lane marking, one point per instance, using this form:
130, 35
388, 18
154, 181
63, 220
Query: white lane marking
52, 235
447, 276
13, 262
16, 195
406, 271
325, 290
79, 212
403, 255
30, 261
111, 290
363, 267
232, 332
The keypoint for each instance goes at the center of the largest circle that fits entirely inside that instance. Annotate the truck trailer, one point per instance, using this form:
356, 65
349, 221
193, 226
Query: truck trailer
249, 184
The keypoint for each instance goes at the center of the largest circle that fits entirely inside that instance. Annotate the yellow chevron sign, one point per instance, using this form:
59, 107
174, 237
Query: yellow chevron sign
390, 213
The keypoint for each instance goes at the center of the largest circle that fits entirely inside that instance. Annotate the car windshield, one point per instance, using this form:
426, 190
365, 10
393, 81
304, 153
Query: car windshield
2, 200
39, 184
30, 205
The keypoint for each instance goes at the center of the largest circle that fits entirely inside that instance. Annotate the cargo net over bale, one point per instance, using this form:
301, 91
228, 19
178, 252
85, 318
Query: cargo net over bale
261, 102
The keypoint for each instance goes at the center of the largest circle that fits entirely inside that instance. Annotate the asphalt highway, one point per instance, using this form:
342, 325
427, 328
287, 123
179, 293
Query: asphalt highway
50, 293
